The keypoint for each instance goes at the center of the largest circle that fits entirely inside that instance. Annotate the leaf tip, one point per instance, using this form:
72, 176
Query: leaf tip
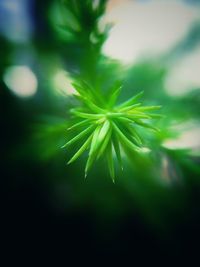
69, 162
63, 146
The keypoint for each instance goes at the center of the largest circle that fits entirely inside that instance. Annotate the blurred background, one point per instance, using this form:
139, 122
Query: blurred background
151, 45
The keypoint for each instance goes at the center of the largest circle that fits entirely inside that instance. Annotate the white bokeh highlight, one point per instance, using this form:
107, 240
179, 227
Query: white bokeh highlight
143, 27
184, 76
188, 139
21, 81
62, 83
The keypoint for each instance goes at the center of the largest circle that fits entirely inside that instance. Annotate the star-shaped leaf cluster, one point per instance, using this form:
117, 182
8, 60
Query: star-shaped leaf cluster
106, 128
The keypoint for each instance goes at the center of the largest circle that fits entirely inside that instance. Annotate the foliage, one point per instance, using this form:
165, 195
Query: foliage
99, 123
105, 127
78, 25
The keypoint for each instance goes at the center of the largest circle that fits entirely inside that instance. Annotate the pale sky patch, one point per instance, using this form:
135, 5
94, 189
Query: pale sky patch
143, 27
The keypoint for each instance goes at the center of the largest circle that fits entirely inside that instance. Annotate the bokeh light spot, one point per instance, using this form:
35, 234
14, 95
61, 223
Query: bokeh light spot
146, 27
184, 76
21, 81
62, 83
188, 138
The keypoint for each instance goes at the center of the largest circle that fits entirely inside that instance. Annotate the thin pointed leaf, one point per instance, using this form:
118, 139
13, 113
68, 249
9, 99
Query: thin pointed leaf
147, 108
95, 95
114, 94
117, 150
135, 135
147, 125
94, 139
132, 135
97, 141
104, 130
105, 143
78, 88
78, 124
134, 116
101, 136
124, 119
131, 101
110, 161
114, 114
155, 116
124, 139
86, 115
129, 132
129, 125
88, 102
83, 91
78, 137
81, 150
92, 156
94, 107
130, 107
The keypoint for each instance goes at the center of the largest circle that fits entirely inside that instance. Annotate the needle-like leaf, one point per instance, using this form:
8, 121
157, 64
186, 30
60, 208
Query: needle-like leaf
148, 108
114, 95
147, 125
81, 150
105, 143
110, 161
78, 124
124, 139
137, 116
79, 136
117, 150
131, 101
134, 134
94, 107
92, 152
104, 130
86, 115
155, 116
130, 107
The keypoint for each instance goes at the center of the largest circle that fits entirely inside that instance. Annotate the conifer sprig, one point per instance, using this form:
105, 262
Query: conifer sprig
105, 128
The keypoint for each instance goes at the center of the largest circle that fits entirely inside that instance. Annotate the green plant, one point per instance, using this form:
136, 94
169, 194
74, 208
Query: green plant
99, 124
106, 128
